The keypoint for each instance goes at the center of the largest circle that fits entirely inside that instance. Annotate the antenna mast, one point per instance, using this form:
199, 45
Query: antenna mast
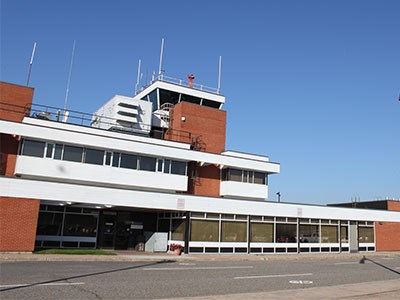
138, 77
161, 58
219, 73
69, 76
30, 64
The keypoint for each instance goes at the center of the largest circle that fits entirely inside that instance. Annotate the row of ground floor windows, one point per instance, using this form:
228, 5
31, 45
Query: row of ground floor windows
234, 231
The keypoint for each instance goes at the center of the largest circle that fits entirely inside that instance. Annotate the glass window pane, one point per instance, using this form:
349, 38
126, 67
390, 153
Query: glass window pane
366, 234
159, 165
94, 157
128, 161
344, 234
108, 158
49, 151
286, 233
204, 231
33, 148
116, 156
80, 225
178, 230
259, 178
329, 234
72, 153
262, 232
309, 234
49, 223
233, 231
58, 151
178, 167
167, 164
147, 163
235, 175
245, 176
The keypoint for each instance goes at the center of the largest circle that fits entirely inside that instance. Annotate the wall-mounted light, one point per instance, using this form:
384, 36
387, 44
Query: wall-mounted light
183, 119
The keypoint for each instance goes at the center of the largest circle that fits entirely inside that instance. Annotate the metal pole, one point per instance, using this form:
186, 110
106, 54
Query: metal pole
219, 73
30, 64
69, 77
161, 58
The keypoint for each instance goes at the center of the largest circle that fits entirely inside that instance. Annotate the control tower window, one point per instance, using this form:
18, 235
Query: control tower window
153, 99
191, 99
210, 103
168, 97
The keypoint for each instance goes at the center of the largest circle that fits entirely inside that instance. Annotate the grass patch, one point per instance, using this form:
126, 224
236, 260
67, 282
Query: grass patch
76, 252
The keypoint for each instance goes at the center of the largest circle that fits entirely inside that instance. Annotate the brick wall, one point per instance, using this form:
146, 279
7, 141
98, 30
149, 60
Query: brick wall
388, 233
207, 127
18, 217
18, 222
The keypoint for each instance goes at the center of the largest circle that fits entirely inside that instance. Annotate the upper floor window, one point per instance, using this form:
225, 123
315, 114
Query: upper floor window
245, 176
33, 148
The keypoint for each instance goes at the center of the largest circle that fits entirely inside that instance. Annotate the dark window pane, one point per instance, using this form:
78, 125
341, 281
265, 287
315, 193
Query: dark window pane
72, 153
211, 103
58, 151
262, 232
80, 225
233, 231
259, 178
245, 176
235, 175
178, 230
178, 167
49, 223
224, 175
108, 158
115, 162
94, 157
168, 97
167, 164
153, 99
147, 163
286, 233
49, 151
191, 99
159, 165
309, 233
128, 161
33, 148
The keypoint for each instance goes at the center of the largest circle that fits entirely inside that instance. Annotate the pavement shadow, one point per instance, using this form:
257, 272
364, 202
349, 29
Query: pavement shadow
88, 275
364, 259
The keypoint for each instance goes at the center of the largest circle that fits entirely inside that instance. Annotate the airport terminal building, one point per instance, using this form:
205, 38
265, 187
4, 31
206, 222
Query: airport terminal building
147, 171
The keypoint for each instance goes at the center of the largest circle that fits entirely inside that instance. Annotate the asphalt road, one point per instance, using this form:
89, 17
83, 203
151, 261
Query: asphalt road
155, 280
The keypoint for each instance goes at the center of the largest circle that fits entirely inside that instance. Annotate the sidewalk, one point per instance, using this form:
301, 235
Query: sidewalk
142, 256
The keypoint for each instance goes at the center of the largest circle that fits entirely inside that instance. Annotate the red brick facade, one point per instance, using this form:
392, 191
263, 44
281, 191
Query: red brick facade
18, 217
388, 233
207, 127
18, 222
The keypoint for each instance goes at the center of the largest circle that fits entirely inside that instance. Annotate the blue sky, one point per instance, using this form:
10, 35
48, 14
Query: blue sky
312, 84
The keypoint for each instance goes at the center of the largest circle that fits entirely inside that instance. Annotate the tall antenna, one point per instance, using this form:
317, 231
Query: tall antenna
30, 64
138, 77
69, 76
219, 73
161, 57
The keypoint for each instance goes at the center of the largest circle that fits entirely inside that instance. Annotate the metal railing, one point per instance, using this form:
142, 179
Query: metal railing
181, 82
55, 114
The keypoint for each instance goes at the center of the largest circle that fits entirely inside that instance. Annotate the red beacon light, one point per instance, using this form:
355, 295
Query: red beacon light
191, 78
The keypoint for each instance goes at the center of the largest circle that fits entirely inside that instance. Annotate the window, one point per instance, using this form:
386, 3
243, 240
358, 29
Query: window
204, 231
80, 225
33, 148
178, 229
94, 157
167, 164
366, 234
344, 234
108, 158
115, 160
72, 153
286, 233
178, 167
235, 175
49, 223
233, 231
159, 165
147, 163
128, 161
58, 151
262, 232
309, 234
49, 150
329, 234
259, 178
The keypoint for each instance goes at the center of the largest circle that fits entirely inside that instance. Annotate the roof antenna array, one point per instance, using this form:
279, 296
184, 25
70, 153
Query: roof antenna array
30, 64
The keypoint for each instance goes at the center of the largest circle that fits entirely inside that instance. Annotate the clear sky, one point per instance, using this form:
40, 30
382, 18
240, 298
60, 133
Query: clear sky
312, 84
